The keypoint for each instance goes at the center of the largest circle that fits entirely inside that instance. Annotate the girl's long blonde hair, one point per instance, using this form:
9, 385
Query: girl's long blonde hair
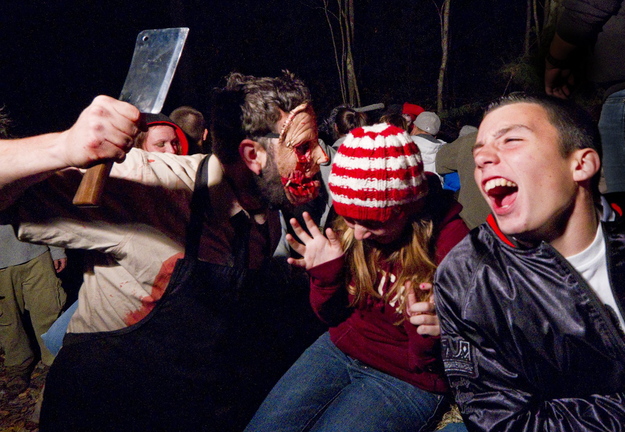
414, 257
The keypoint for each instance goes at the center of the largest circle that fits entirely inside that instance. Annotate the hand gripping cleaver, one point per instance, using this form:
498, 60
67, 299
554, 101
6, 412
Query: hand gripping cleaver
151, 71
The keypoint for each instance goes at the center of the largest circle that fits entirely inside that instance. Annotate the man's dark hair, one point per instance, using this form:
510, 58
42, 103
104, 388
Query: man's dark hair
249, 107
576, 128
190, 120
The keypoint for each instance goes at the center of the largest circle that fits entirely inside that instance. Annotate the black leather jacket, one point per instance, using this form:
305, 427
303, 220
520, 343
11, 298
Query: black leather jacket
527, 345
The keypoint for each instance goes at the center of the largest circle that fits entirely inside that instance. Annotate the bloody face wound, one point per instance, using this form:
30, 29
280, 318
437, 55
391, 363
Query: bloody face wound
298, 154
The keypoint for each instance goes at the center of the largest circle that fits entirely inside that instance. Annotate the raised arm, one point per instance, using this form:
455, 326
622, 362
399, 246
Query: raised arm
579, 24
104, 131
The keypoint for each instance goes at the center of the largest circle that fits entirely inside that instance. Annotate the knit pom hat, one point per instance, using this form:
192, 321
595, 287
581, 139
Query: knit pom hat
411, 110
376, 169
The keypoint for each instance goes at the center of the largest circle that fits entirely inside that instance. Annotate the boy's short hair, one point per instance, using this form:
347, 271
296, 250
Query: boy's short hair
576, 128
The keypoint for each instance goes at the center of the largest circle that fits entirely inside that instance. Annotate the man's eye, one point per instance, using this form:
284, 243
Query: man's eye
303, 148
160, 144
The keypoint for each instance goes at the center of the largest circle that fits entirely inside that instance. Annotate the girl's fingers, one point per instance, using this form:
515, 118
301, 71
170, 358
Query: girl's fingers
297, 246
297, 262
311, 225
425, 286
424, 319
332, 237
425, 307
299, 231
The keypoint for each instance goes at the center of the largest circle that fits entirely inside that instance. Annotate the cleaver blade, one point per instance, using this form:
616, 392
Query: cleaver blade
151, 71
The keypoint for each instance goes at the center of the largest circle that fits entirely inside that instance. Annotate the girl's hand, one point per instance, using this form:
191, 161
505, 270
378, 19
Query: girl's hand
422, 314
316, 248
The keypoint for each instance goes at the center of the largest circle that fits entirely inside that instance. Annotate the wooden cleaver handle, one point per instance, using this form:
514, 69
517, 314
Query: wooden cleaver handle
91, 186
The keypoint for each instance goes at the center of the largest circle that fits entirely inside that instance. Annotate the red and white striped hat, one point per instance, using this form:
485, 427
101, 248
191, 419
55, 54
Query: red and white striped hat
376, 169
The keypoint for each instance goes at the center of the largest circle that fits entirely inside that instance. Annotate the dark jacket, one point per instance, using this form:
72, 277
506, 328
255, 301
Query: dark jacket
527, 345
601, 25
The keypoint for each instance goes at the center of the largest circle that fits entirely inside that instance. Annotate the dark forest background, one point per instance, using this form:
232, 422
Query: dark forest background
57, 55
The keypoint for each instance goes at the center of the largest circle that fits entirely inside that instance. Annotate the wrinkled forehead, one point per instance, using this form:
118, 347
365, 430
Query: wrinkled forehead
300, 126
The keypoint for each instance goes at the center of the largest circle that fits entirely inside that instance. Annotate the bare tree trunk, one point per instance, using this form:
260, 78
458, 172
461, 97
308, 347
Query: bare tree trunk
343, 53
536, 23
352, 84
528, 27
551, 9
338, 60
444, 15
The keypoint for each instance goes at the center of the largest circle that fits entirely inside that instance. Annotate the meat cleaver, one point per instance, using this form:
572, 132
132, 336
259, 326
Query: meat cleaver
151, 71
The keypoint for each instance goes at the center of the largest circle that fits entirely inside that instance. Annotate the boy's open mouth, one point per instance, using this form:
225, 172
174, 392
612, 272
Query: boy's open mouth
501, 191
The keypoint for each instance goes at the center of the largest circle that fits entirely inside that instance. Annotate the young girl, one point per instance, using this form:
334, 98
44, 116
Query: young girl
378, 368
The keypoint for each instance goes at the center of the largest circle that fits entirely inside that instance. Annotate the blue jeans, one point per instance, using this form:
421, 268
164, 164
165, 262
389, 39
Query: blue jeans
326, 390
612, 130
53, 338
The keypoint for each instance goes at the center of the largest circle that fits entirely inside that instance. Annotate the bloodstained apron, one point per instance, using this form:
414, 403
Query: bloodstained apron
178, 369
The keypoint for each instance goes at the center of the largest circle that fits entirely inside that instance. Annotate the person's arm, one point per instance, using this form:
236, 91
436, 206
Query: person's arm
494, 394
59, 258
324, 260
446, 158
103, 131
328, 296
423, 329
559, 80
579, 23
422, 325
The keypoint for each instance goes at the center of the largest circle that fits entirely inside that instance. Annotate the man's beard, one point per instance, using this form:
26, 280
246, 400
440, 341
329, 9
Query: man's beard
270, 188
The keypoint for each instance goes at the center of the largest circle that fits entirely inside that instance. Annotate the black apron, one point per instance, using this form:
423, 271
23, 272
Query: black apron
182, 368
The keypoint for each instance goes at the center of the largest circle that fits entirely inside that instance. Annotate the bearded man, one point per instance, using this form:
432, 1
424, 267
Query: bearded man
157, 341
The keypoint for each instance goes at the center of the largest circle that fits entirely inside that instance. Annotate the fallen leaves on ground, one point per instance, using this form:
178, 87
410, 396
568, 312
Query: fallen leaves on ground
16, 413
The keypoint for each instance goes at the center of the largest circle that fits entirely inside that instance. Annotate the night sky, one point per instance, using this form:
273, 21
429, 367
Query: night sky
57, 55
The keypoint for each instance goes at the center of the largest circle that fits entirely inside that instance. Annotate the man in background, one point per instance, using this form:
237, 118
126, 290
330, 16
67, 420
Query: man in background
596, 27
424, 130
193, 124
31, 297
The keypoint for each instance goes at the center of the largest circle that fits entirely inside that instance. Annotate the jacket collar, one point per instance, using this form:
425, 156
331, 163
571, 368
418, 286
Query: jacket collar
490, 220
608, 211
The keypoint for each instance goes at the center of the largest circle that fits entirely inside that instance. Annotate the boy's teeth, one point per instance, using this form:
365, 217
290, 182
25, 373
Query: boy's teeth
491, 184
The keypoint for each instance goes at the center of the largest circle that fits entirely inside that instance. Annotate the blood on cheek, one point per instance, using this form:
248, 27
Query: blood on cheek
295, 162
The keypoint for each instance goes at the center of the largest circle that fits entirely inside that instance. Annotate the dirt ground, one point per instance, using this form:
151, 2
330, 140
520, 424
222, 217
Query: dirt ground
16, 414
